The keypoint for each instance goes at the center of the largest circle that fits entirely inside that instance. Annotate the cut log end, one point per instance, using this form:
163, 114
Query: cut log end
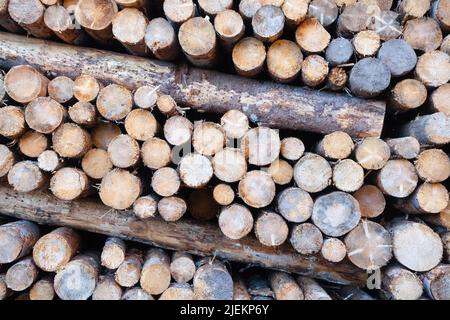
398, 178
271, 229
312, 173
306, 238
371, 201
257, 189
119, 189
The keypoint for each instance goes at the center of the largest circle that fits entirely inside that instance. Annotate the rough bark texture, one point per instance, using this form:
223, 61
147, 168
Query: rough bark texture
264, 103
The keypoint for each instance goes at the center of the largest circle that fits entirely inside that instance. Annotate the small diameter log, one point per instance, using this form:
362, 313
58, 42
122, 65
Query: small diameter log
271, 229
295, 11
155, 276
29, 14
60, 89
429, 73
240, 291
201, 205
96, 16
348, 175
336, 213
145, 207
178, 130
6, 21
195, 170
7, 160
324, 11
440, 11
229, 165
23, 83
59, 20
408, 237
172, 209
12, 122
336, 145
230, 28
427, 198
107, 289
161, 39
235, 221
268, 23
401, 284
25, 176
83, 113
129, 271
314, 70
333, 250
295, 205
21, 275
339, 51
71, 141
429, 129
312, 173
123, 151
414, 8
212, 281
398, 56
440, 98
369, 77
354, 18
44, 115
257, 189
386, 24
285, 287
141, 124
178, 291
96, 163
223, 194
261, 146
371, 201
306, 238
292, 148
406, 147
213, 7
166, 181
114, 102
311, 289
42, 290
235, 124
113, 253
436, 282
200, 50
208, 138
423, 34
145, 97
407, 95
119, 189
281, 172
155, 153
86, 88
17, 240
284, 60
77, 279
55, 249
366, 43
369, 245
248, 8
311, 36
337, 79
129, 27
136, 293
69, 183
182, 267
178, 11
398, 178
433, 165
249, 55
372, 153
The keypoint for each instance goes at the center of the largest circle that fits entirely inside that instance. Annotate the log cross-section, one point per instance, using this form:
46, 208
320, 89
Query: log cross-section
266, 103
198, 238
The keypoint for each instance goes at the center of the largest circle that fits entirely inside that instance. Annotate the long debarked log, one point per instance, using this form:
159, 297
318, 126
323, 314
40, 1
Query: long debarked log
198, 238
267, 103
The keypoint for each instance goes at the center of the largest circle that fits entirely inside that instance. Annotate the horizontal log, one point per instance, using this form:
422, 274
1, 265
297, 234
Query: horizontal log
198, 238
266, 103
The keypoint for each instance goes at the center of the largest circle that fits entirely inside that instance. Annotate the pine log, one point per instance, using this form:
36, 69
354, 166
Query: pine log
155, 153
213, 7
69, 183
407, 95
311, 36
333, 250
96, 163
107, 289
257, 189
119, 189
312, 173
271, 229
294, 204
248, 56
423, 34
123, 151
433, 68
386, 24
161, 39
86, 88
406, 147
398, 178
12, 122
25, 176
212, 281
314, 70
324, 11
401, 284
354, 18
23, 83
336, 145
155, 276
21, 275
235, 221
306, 238
440, 98
29, 14
71, 141
42, 289
92, 216
284, 60
145, 207
171, 209
414, 8
178, 130
195, 170
5, 19
281, 172
268, 23
441, 219
229, 165
113, 253
311, 289
348, 175
17, 240
369, 77
129, 27
7, 160
166, 181
223, 194
399, 56
433, 165
372, 153
371, 201
61, 89
285, 287
230, 28
339, 51
45, 115
59, 20
366, 43
292, 148
129, 272
366, 116
178, 11
83, 113
136, 293
178, 291
182, 267
146, 97
436, 282
114, 102
431, 129
167, 105
295, 11
427, 198
141, 124
337, 79
240, 291
208, 138
248, 8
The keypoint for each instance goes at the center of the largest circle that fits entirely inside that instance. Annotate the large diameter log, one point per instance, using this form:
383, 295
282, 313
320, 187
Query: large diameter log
197, 238
274, 105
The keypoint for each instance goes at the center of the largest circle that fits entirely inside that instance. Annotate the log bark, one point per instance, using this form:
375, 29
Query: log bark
257, 101
433, 129
155, 276
212, 281
92, 216
58, 19
129, 27
17, 240
311, 289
